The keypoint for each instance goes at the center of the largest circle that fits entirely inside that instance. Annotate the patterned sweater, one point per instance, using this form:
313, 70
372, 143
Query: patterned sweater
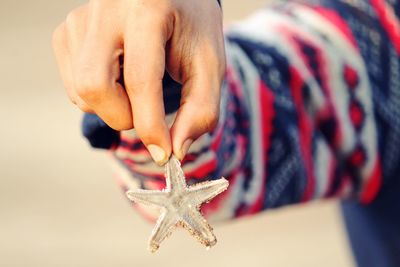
310, 109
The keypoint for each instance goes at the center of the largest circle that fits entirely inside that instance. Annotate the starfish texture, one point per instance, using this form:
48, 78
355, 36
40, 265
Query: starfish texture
180, 205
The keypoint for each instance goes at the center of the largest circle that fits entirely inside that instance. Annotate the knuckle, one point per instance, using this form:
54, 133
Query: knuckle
161, 15
81, 104
74, 18
89, 86
71, 19
72, 99
75, 22
58, 35
157, 6
158, 15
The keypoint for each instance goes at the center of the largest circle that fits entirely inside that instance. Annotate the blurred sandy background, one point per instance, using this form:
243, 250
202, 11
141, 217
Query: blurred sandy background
59, 205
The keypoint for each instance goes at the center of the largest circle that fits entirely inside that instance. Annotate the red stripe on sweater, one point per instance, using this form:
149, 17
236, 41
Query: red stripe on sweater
215, 205
216, 142
328, 110
305, 132
389, 21
203, 170
334, 18
373, 184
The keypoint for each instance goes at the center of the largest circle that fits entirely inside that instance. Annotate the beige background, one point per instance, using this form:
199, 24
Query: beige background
59, 205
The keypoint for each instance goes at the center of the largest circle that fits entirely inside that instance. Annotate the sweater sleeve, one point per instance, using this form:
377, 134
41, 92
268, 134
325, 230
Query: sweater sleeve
309, 110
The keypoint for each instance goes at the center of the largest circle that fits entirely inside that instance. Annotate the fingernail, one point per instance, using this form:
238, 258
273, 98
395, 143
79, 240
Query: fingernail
158, 154
185, 147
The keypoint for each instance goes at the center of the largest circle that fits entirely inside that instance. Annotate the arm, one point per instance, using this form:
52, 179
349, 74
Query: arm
298, 120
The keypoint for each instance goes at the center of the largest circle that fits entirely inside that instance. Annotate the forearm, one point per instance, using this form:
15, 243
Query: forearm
307, 84
299, 117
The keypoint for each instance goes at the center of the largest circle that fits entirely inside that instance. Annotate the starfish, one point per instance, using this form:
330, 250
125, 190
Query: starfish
180, 205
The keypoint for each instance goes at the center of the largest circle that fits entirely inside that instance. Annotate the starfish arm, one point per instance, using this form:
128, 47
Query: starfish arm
203, 192
199, 227
174, 174
148, 197
165, 224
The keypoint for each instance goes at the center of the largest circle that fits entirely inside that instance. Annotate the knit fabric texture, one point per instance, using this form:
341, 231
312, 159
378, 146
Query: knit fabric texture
310, 109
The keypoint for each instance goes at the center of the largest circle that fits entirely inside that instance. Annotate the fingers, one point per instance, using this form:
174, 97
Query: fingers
199, 110
97, 70
63, 58
144, 66
87, 50
201, 71
197, 115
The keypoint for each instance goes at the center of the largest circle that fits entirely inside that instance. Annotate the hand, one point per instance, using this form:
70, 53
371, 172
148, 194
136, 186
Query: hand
182, 36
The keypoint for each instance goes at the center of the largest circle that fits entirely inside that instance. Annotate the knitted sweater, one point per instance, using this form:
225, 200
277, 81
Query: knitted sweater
310, 109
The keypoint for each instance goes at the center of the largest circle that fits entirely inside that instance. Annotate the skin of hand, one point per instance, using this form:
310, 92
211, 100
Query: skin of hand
184, 37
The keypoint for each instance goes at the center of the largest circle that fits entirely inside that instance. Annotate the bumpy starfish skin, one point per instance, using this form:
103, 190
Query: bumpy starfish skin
180, 205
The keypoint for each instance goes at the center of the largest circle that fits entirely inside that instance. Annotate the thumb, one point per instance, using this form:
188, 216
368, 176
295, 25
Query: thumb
197, 115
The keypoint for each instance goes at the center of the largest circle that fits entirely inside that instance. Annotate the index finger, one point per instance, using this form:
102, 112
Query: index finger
144, 67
